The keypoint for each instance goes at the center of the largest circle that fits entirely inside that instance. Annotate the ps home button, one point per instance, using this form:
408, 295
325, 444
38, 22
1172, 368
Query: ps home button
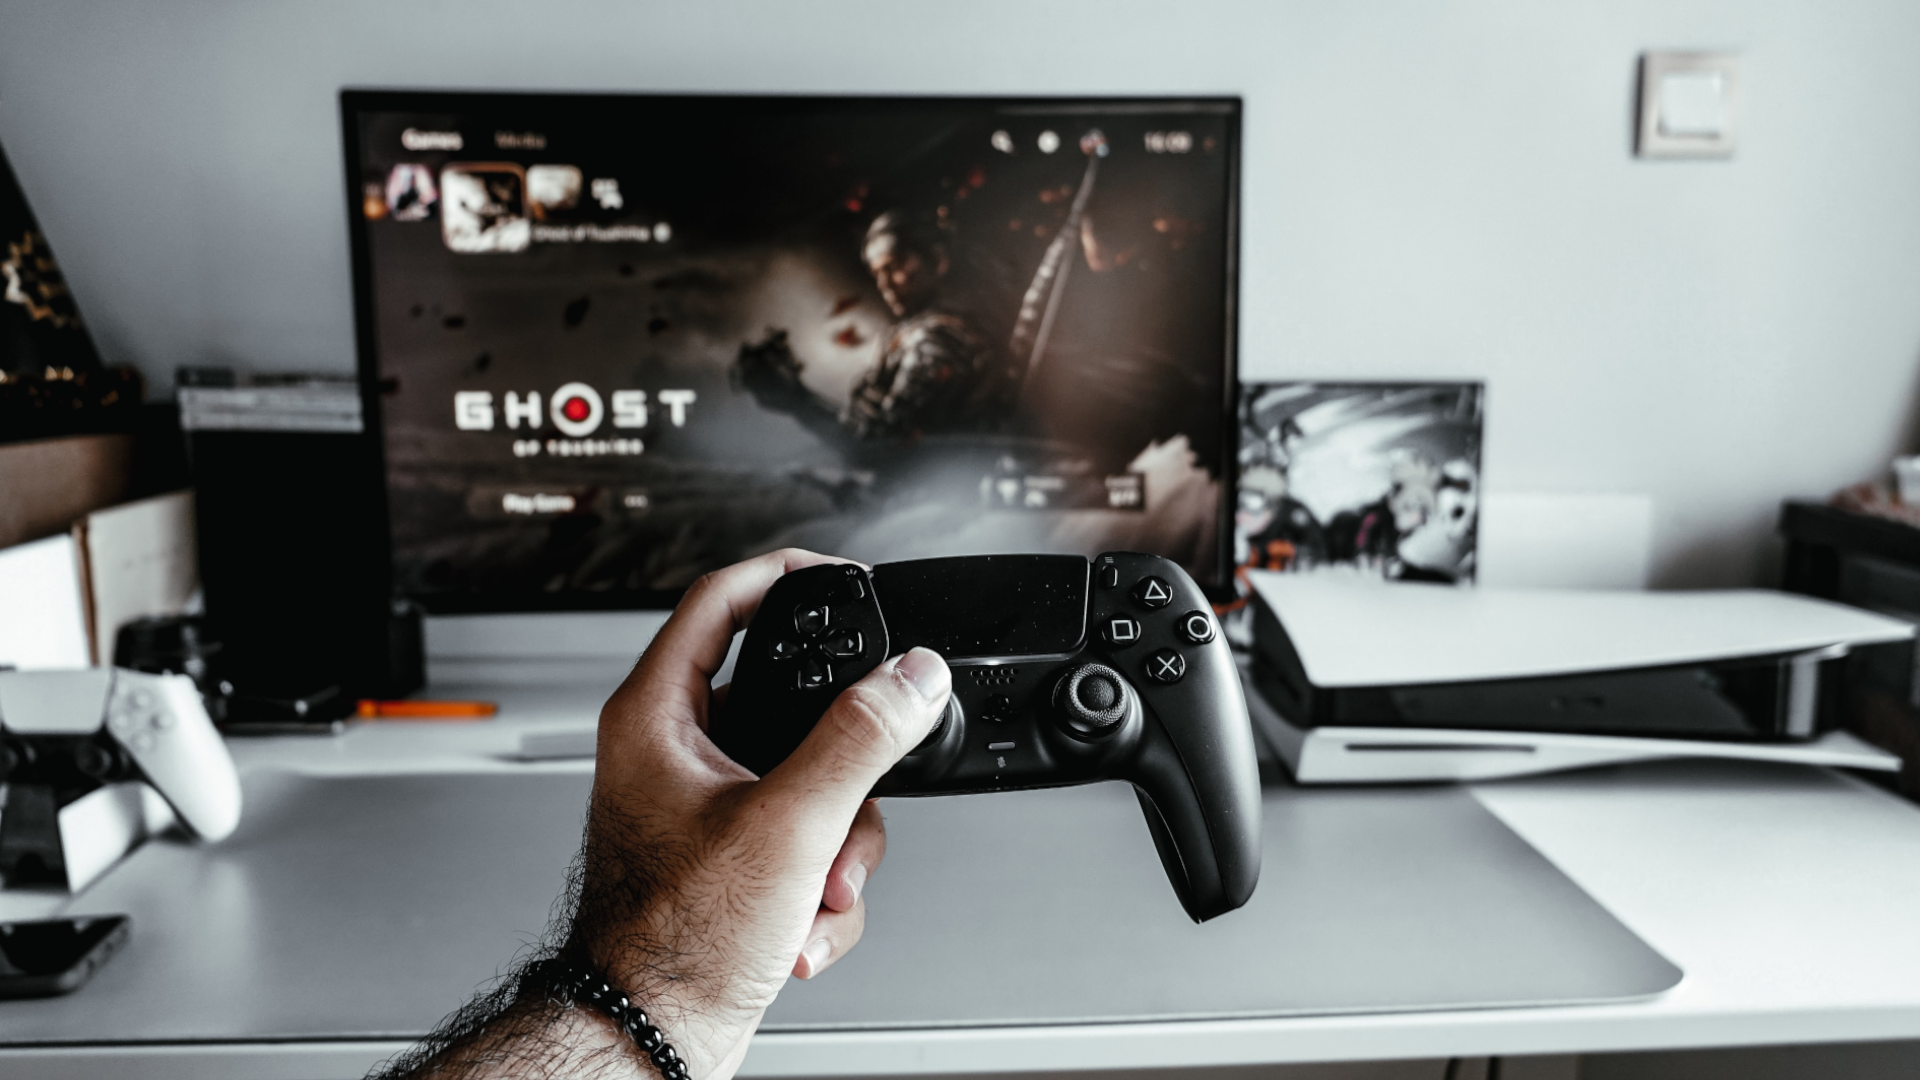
1153, 593
810, 619
814, 675
1166, 666
1120, 631
1196, 627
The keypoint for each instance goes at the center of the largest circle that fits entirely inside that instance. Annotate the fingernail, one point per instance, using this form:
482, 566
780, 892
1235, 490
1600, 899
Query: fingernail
816, 954
927, 672
857, 879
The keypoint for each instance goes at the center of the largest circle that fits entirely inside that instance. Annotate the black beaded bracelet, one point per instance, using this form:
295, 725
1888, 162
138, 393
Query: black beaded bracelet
579, 985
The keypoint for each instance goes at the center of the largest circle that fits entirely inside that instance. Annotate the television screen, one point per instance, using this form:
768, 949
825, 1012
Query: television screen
614, 342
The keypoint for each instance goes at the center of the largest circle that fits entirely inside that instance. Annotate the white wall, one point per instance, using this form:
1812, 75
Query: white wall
1433, 189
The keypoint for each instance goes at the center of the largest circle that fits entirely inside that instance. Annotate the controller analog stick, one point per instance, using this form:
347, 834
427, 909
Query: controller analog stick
96, 762
1092, 699
949, 716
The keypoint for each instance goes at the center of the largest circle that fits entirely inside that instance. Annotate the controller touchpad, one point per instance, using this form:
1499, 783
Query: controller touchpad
985, 606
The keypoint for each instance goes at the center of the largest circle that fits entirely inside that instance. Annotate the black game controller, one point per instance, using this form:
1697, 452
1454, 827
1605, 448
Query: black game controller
1150, 696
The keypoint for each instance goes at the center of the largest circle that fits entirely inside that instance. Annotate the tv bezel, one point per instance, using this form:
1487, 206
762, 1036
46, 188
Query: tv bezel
355, 102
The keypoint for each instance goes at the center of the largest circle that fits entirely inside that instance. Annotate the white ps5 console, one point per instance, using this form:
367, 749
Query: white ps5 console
1360, 680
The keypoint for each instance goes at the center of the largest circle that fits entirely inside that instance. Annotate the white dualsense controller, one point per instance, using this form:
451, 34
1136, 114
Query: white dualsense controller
157, 722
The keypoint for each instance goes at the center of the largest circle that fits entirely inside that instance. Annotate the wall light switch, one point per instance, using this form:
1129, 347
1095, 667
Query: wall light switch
1687, 104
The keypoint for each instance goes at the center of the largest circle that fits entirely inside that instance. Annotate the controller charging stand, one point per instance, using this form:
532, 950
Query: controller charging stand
61, 839
96, 760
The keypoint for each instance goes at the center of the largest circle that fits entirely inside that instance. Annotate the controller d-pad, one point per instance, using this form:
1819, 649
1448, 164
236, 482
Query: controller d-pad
844, 645
1153, 593
814, 674
1166, 666
785, 648
1120, 631
810, 619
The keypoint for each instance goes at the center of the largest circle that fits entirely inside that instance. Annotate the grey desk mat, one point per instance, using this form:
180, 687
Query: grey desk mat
370, 907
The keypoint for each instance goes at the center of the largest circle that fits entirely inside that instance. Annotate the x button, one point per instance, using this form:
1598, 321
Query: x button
1166, 666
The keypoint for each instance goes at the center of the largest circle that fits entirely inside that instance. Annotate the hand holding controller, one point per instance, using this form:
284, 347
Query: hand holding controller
1150, 696
100, 725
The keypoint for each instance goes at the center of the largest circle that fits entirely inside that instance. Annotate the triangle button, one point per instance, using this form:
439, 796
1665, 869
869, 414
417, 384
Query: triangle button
1153, 592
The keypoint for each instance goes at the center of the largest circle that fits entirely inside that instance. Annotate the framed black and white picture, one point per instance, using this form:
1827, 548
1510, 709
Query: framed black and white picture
1380, 479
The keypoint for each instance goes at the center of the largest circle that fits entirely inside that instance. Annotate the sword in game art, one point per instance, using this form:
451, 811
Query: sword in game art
1027, 345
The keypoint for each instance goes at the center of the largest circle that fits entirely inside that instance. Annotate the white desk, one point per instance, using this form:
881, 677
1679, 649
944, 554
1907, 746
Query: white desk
1786, 894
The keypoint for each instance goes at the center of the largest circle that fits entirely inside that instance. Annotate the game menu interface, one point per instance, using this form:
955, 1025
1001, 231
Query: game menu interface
620, 341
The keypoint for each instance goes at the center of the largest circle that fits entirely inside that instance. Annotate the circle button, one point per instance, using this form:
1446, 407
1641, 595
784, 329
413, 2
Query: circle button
1197, 627
1166, 666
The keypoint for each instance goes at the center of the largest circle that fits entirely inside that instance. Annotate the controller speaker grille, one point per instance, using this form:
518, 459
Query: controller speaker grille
994, 676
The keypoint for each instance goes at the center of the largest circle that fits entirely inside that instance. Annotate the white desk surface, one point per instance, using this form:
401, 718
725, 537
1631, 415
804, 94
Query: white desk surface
1787, 894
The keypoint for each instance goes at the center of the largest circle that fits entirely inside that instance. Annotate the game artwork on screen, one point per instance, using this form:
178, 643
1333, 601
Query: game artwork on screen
624, 342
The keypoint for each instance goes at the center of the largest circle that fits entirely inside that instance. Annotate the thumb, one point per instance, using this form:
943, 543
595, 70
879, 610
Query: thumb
867, 729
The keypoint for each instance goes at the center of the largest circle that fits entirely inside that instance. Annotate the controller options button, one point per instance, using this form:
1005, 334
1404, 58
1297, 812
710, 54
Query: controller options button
1109, 577
997, 708
810, 619
1166, 666
1152, 592
844, 645
785, 648
1120, 631
814, 675
1197, 627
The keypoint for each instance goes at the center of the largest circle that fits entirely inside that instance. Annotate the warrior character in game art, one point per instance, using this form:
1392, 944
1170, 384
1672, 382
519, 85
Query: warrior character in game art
934, 375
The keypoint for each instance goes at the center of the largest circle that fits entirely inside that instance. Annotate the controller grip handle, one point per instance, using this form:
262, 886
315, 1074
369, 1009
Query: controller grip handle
1210, 874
